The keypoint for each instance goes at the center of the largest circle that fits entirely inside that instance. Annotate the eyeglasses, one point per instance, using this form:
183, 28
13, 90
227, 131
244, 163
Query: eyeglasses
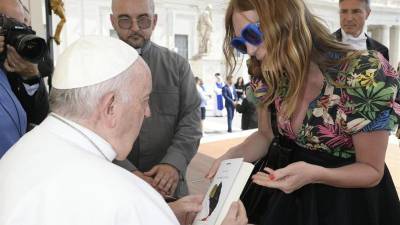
126, 22
251, 34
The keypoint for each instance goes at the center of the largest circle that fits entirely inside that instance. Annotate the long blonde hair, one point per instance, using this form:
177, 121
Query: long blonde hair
293, 37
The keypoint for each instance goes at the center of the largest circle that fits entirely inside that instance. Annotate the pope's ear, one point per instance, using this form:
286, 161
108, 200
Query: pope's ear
113, 20
108, 107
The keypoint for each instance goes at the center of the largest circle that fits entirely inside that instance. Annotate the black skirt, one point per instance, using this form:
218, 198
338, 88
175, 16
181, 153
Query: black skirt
318, 204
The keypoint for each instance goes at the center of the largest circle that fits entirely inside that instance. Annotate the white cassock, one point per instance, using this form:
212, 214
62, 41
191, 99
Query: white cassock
55, 176
218, 99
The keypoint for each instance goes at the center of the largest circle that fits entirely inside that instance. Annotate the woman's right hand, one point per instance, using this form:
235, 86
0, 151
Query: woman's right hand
230, 154
214, 167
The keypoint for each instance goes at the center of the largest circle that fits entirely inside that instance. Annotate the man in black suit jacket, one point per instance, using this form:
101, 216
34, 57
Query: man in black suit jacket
230, 96
353, 14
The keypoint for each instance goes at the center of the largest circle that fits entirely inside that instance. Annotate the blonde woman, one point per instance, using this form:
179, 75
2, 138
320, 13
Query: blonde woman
335, 109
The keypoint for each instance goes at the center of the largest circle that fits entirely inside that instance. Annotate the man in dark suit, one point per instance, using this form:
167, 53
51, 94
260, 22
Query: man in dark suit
248, 109
353, 14
230, 96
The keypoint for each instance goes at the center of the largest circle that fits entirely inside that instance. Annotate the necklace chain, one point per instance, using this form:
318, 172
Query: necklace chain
81, 133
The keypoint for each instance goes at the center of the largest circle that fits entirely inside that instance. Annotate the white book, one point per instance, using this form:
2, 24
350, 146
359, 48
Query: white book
226, 187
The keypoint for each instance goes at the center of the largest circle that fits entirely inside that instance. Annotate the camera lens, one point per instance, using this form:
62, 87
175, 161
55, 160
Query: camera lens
31, 47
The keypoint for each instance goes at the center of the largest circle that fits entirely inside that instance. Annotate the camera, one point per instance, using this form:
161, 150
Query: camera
23, 39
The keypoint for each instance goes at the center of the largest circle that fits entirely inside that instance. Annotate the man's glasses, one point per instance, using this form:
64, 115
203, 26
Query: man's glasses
143, 22
251, 34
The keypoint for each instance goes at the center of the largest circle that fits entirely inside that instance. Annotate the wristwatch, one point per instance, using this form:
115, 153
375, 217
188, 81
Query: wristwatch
31, 81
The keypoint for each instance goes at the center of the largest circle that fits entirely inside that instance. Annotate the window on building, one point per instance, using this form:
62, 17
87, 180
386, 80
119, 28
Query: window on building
181, 45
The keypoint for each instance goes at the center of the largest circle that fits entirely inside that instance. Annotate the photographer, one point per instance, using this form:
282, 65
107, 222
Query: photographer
45, 66
24, 76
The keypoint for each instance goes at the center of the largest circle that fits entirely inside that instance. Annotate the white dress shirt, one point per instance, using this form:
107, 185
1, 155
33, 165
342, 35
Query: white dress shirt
203, 95
358, 43
55, 176
231, 90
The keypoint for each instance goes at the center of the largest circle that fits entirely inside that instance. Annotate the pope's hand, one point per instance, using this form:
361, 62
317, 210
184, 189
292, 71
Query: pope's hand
186, 208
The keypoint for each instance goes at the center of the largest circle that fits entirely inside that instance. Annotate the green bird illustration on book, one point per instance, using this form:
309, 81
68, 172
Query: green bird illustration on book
213, 199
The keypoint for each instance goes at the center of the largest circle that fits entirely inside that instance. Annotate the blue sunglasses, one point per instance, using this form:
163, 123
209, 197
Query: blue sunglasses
251, 34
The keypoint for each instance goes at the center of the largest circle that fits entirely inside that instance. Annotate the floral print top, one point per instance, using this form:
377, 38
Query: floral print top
359, 96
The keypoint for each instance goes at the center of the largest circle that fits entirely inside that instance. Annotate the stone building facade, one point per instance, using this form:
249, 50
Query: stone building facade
177, 19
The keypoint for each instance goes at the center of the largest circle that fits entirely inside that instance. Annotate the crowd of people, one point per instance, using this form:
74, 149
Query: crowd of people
111, 143
228, 95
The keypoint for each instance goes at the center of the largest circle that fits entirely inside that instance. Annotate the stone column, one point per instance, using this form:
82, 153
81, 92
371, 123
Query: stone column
385, 36
372, 31
394, 50
171, 20
380, 33
36, 10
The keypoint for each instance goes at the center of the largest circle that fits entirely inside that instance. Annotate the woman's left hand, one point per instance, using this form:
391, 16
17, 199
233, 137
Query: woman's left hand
289, 178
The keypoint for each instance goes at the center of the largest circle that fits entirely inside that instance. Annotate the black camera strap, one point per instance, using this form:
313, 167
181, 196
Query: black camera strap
274, 120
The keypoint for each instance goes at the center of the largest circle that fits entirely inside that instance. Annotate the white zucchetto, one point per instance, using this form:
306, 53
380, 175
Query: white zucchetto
92, 60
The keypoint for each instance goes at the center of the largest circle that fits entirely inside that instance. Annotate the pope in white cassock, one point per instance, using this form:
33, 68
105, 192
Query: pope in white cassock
61, 173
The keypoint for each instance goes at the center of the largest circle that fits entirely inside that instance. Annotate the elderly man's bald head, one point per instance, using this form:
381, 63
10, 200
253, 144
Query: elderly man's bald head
13, 9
